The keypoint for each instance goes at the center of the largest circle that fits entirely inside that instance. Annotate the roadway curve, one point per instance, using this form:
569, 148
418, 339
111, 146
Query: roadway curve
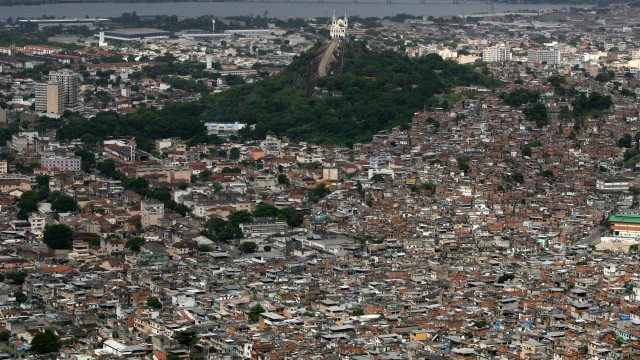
327, 57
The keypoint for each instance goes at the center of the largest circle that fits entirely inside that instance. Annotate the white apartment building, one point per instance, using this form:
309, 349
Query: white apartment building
61, 162
224, 129
613, 184
37, 221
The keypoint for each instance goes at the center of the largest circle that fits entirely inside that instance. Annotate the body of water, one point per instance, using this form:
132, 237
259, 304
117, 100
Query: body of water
301, 8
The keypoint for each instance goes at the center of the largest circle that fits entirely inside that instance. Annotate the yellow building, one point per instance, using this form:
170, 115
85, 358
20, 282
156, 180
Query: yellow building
50, 97
55, 98
419, 335
531, 348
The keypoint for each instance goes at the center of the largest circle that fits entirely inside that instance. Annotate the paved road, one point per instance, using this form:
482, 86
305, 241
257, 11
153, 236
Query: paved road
233, 252
326, 58
593, 238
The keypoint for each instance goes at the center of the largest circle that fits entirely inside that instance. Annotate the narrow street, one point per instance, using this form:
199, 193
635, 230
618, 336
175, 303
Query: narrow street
593, 238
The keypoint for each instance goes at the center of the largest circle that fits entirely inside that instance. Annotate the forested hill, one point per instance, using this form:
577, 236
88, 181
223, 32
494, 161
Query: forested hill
376, 90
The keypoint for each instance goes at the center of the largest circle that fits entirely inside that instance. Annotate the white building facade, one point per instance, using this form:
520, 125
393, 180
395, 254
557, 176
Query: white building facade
339, 28
497, 53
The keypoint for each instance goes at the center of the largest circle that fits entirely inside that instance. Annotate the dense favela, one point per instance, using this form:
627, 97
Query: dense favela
337, 187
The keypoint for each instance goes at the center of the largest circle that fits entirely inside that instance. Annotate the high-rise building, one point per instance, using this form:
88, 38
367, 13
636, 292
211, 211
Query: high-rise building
71, 87
55, 98
497, 53
41, 97
50, 97
538, 56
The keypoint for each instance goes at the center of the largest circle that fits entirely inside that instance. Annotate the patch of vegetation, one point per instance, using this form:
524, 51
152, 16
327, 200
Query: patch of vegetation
520, 96
506, 277
154, 302
45, 342
593, 105
58, 236
376, 91
248, 247
255, 311
135, 244
537, 113
187, 337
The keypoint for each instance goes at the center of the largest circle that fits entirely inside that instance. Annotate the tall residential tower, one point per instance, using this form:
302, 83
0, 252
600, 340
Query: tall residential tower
50, 97
70, 85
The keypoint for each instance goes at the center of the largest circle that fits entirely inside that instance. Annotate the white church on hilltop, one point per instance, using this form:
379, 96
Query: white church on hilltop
339, 27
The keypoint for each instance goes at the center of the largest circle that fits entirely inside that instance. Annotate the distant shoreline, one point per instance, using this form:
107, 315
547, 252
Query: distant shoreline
296, 9
44, 2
